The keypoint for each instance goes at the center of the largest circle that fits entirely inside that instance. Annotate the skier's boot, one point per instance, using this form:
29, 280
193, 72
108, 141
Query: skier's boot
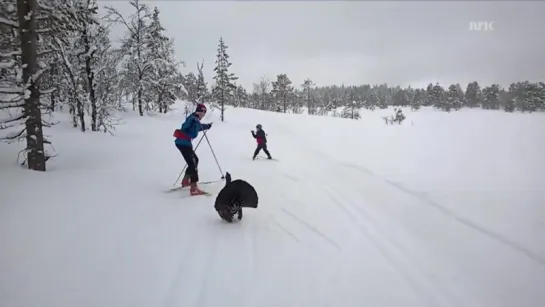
253, 158
186, 182
194, 190
269, 158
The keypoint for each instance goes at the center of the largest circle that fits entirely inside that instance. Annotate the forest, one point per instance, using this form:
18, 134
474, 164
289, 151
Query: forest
58, 56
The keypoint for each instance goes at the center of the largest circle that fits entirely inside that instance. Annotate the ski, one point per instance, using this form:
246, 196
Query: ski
204, 194
179, 188
262, 158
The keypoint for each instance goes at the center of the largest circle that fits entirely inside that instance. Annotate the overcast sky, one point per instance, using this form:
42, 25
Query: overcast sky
360, 42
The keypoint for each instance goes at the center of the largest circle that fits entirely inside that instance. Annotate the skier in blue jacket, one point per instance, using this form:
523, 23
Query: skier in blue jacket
187, 132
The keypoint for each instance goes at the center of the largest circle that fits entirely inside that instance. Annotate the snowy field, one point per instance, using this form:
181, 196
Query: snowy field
444, 210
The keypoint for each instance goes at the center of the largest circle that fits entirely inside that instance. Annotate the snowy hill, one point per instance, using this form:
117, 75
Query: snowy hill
444, 210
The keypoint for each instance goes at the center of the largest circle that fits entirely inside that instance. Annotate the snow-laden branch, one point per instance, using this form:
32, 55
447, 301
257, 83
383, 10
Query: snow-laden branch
11, 53
10, 105
7, 22
44, 30
8, 123
11, 90
49, 91
114, 16
16, 135
8, 65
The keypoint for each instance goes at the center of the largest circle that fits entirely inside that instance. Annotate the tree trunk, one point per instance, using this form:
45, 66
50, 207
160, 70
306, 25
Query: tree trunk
81, 114
52, 102
140, 109
159, 102
222, 104
140, 73
72, 110
26, 11
90, 82
308, 102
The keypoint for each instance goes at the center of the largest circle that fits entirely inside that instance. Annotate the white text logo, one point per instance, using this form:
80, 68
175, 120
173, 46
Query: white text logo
481, 26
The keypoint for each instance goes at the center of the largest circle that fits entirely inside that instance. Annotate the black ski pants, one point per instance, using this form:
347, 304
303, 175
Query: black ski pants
258, 149
192, 161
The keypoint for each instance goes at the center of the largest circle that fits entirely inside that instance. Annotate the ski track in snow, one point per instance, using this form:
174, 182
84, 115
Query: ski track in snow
327, 232
383, 244
423, 284
425, 200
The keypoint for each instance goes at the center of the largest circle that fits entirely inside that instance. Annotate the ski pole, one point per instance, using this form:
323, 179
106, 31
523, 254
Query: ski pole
212, 150
183, 169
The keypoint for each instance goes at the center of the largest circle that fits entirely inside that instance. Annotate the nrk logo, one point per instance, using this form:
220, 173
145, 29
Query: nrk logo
483, 26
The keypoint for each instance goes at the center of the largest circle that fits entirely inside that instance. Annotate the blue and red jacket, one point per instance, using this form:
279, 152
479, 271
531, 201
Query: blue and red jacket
189, 130
260, 136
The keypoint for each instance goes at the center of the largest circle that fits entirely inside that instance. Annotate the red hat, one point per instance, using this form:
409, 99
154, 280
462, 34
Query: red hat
200, 108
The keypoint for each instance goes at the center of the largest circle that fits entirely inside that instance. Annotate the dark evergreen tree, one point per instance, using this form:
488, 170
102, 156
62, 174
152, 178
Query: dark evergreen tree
418, 99
307, 96
224, 87
282, 91
452, 100
202, 94
438, 95
491, 97
473, 95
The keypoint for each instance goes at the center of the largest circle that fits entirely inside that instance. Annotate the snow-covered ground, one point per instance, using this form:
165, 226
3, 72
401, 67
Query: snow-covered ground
444, 210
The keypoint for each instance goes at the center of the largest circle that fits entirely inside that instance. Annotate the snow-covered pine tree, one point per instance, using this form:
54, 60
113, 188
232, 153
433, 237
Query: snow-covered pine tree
107, 83
461, 95
224, 87
541, 89
235, 101
535, 97
92, 38
473, 95
307, 96
382, 100
516, 92
77, 49
350, 110
418, 99
327, 102
411, 92
190, 84
202, 94
242, 96
262, 90
21, 68
56, 18
373, 100
438, 96
383, 93
510, 101
164, 81
346, 112
429, 96
53, 80
253, 98
496, 103
452, 100
531, 96
401, 97
137, 65
282, 90
491, 96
